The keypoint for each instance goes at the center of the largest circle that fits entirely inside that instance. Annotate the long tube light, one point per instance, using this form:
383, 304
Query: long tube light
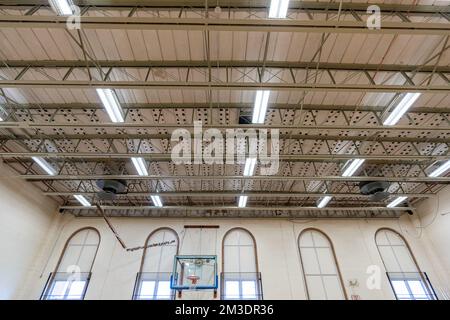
278, 8
400, 109
260, 107
140, 165
242, 201
111, 104
322, 203
440, 170
44, 165
157, 201
249, 168
82, 200
396, 202
62, 7
352, 166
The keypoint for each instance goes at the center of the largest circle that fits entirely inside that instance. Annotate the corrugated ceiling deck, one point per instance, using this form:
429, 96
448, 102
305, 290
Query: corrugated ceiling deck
41, 56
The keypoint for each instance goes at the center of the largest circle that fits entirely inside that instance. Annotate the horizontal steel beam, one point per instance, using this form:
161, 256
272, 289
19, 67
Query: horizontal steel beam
33, 125
445, 180
209, 24
221, 193
219, 105
234, 208
238, 4
128, 136
168, 156
74, 84
222, 64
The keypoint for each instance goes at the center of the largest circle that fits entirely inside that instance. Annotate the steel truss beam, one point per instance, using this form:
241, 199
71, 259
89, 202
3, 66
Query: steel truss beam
285, 137
444, 180
282, 157
233, 208
32, 125
222, 64
209, 24
218, 105
331, 7
221, 193
223, 86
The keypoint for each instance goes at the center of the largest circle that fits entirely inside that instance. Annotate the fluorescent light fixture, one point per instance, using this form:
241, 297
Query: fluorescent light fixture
111, 104
140, 165
396, 202
400, 109
157, 201
278, 8
62, 7
242, 201
352, 166
324, 201
44, 165
249, 168
82, 200
260, 108
440, 170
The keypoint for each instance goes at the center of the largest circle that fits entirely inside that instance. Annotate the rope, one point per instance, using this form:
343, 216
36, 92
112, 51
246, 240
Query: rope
122, 243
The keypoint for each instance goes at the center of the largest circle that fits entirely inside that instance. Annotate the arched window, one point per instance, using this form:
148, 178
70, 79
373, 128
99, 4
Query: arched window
240, 273
153, 280
73, 272
320, 269
405, 277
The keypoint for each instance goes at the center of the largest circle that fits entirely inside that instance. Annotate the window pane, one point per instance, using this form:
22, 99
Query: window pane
76, 290
400, 289
333, 288
147, 290
163, 290
403, 256
316, 290
232, 289
248, 289
326, 261
58, 291
309, 259
417, 289
390, 261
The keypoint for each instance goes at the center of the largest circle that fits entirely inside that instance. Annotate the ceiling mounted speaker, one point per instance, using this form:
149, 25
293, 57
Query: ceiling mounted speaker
376, 189
111, 188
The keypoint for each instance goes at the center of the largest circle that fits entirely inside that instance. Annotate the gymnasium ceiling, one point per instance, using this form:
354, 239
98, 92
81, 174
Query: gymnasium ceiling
172, 62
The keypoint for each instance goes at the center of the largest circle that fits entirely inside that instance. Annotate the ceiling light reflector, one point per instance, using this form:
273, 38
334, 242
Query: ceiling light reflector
278, 8
242, 201
111, 104
62, 7
44, 165
82, 200
352, 166
400, 109
140, 165
157, 201
324, 201
440, 170
260, 108
396, 202
249, 168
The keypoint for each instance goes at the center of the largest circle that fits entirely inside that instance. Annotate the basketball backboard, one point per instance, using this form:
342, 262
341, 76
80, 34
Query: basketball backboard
194, 272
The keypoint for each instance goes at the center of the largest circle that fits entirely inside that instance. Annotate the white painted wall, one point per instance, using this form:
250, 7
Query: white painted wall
114, 270
26, 217
433, 223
